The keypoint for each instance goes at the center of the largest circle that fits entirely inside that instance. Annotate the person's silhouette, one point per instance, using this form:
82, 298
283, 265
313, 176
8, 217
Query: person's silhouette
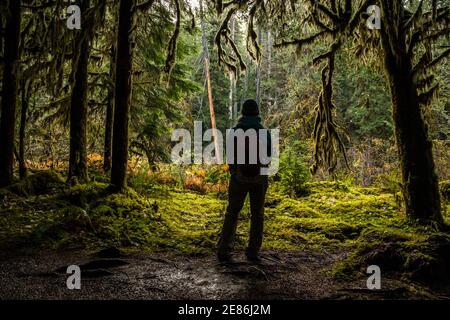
246, 178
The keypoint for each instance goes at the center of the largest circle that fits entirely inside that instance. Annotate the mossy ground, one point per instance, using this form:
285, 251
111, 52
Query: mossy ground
367, 224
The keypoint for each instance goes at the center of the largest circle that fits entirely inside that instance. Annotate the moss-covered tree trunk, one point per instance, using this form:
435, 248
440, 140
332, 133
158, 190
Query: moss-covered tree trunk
9, 92
122, 96
109, 119
420, 183
22, 129
78, 105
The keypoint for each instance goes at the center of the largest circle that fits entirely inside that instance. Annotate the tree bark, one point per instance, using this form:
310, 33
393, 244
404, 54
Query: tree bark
258, 73
122, 96
420, 183
109, 119
22, 129
78, 107
211, 112
9, 93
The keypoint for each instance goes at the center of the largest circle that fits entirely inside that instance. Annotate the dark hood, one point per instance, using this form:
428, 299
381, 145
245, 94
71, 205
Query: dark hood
249, 122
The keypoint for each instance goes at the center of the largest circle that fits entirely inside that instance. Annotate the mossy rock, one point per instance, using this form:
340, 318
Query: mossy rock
38, 183
343, 232
432, 265
82, 194
388, 256
372, 235
73, 222
425, 260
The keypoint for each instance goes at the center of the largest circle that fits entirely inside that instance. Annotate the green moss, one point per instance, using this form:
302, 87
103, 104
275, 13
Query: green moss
444, 187
416, 254
366, 223
40, 182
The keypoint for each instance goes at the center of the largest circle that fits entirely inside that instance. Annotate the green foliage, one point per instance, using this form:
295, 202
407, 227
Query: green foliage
90, 215
389, 182
444, 186
293, 170
163, 218
217, 174
362, 99
158, 99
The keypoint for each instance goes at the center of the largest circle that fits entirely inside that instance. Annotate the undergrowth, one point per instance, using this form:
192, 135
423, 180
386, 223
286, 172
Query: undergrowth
366, 224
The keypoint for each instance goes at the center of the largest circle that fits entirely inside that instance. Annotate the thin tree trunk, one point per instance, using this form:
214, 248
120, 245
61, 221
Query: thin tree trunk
269, 71
22, 129
235, 92
209, 86
211, 112
122, 96
246, 82
9, 93
78, 108
232, 93
109, 119
420, 183
230, 98
269, 54
235, 103
258, 74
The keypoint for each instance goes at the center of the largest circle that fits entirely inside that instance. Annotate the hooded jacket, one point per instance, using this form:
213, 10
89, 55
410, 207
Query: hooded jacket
249, 172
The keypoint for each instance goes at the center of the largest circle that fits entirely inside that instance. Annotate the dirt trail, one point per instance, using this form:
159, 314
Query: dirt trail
109, 275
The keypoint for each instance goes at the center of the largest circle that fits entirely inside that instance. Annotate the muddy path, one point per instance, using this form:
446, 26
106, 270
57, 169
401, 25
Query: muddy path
111, 275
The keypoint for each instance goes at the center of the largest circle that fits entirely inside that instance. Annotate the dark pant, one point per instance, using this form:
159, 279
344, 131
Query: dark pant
237, 192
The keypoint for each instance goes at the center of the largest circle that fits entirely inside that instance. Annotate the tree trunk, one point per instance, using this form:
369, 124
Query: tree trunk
258, 74
9, 93
109, 119
211, 112
122, 96
78, 107
270, 100
23, 123
420, 183
421, 190
232, 94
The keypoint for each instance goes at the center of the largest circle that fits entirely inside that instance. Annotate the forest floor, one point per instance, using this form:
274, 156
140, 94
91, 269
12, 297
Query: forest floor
157, 242
281, 275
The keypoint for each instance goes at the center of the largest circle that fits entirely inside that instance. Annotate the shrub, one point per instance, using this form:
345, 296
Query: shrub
217, 174
195, 183
389, 182
164, 177
293, 171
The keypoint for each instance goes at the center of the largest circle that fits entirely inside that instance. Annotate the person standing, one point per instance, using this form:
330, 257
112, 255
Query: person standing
246, 179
